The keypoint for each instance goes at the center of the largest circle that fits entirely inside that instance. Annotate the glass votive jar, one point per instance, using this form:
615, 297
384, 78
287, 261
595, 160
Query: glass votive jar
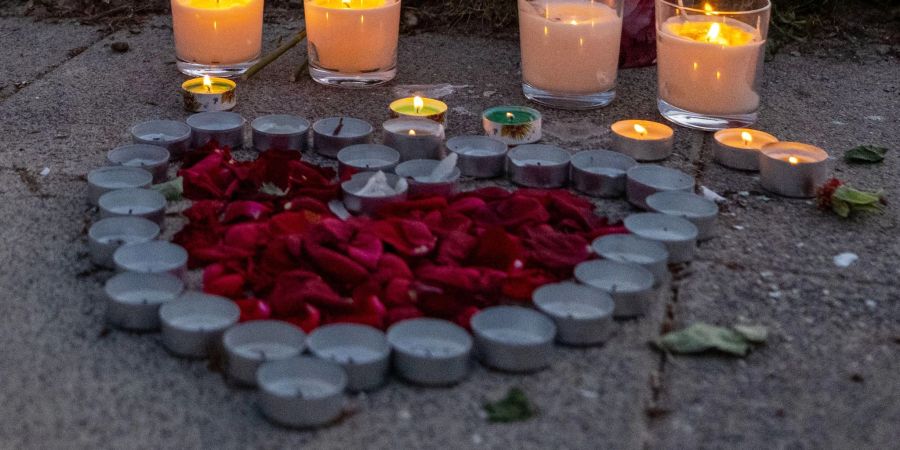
710, 61
220, 38
352, 43
570, 51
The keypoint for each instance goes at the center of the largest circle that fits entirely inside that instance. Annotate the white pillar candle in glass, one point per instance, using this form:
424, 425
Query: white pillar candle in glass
352, 42
710, 61
570, 51
217, 37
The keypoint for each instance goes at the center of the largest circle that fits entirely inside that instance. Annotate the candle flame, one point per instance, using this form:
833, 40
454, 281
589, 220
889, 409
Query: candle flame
573, 22
412, 132
793, 160
747, 137
207, 83
418, 104
546, 31
708, 8
510, 115
713, 34
640, 129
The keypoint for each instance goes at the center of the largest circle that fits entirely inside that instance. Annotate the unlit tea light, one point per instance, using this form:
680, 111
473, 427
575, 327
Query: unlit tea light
479, 156
738, 148
792, 169
172, 135
332, 134
252, 343
301, 391
698, 210
107, 235
630, 285
134, 299
145, 203
538, 166
645, 180
513, 338
628, 248
362, 351
106, 179
431, 352
414, 138
676, 233
643, 140
225, 128
366, 158
151, 158
152, 257
193, 325
600, 173
420, 174
583, 315
361, 198
280, 132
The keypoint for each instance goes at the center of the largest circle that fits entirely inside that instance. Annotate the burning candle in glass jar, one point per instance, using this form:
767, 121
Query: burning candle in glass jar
222, 33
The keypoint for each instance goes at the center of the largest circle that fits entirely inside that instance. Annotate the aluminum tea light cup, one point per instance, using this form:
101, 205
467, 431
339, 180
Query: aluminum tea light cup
332, 134
134, 299
678, 234
583, 315
145, 203
792, 169
364, 204
416, 172
698, 210
645, 180
513, 338
628, 248
151, 158
172, 135
538, 166
366, 158
362, 351
643, 140
630, 285
431, 352
250, 344
414, 138
226, 128
600, 173
479, 156
192, 326
738, 148
280, 132
301, 391
152, 257
514, 125
106, 179
107, 235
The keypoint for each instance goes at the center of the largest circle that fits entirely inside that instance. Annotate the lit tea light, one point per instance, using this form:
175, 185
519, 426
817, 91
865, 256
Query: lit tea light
414, 137
514, 125
209, 94
643, 140
792, 169
417, 106
738, 148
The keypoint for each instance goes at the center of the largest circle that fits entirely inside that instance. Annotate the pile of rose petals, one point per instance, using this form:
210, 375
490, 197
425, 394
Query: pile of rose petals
264, 236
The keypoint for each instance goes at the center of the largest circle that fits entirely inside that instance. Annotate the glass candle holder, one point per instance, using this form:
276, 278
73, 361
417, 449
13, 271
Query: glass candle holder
220, 38
570, 51
710, 61
352, 43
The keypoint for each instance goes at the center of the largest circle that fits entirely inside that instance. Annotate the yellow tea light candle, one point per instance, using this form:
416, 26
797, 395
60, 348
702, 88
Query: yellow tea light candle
792, 169
417, 106
217, 37
208, 94
710, 63
738, 148
352, 42
643, 140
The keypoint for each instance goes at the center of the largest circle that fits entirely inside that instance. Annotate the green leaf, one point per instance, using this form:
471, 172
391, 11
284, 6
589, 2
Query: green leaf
856, 197
701, 337
840, 207
172, 189
272, 189
512, 408
865, 154
756, 334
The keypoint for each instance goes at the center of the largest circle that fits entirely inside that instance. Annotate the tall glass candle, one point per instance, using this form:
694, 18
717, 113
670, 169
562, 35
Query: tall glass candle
217, 37
352, 43
710, 61
570, 51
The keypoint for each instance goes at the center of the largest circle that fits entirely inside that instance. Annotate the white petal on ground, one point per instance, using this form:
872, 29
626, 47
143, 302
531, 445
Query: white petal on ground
845, 259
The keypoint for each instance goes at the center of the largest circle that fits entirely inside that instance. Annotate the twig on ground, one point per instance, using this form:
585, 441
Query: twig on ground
268, 59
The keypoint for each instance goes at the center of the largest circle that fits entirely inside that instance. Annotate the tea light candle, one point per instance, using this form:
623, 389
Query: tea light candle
513, 339
676, 233
133, 299
172, 135
698, 210
479, 156
145, 203
600, 173
152, 257
250, 344
105, 179
280, 132
151, 158
630, 285
427, 108
417, 172
628, 248
332, 134
792, 169
414, 138
369, 204
209, 94
514, 125
301, 391
107, 235
217, 36
362, 351
226, 128
643, 140
738, 148
583, 315
431, 352
538, 166
192, 327
366, 158
643, 181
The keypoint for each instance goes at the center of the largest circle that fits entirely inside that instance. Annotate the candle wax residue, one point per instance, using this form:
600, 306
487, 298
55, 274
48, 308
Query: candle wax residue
157, 137
371, 162
139, 162
615, 285
131, 210
118, 239
275, 128
533, 162
472, 151
198, 322
301, 387
271, 350
575, 310
145, 295
607, 171
662, 234
513, 336
431, 347
632, 258
350, 353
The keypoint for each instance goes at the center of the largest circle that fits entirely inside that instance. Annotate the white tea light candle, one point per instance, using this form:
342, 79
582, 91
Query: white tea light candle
628, 248
209, 94
252, 343
151, 158
514, 125
630, 285
738, 148
368, 203
513, 338
280, 132
366, 158
479, 156
106, 179
134, 299
643, 140
430, 352
414, 138
152, 257
225, 128
600, 173
362, 351
146, 203
676, 233
792, 169
301, 391
583, 315
172, 135
107, 235
538, 166
332, 134
645, 180
192, 326
417, 173
698, 210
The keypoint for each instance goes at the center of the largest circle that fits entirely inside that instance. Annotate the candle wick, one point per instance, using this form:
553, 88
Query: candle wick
337, 129
144, 301
350, 360
262, 354
129, 211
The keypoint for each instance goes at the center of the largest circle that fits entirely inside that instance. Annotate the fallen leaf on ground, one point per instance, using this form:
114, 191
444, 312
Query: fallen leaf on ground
172, 189
865, 154
702, 337
512, 408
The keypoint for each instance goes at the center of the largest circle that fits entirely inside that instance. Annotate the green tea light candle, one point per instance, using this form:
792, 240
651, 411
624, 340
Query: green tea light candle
427, 108
513, 125
208, 94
